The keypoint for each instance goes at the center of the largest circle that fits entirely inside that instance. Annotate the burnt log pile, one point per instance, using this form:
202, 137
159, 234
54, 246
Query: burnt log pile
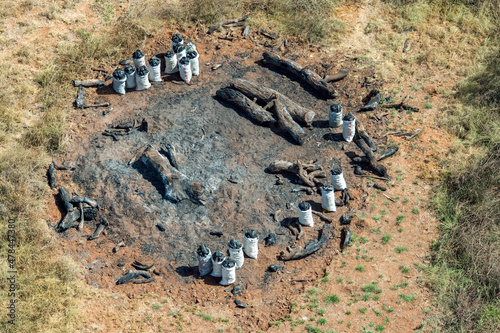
77, 210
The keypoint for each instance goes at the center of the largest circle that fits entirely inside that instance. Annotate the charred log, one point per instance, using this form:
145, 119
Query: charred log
311, 247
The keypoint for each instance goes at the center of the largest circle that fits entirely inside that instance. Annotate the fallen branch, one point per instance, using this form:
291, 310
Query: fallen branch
132, 276
267, 95
311, 247
82, 218
323, 217
246, 32
336, 77
118, 246
88, 201
310, 77
140, 266
370, 156
287, 123
268, 34
51, 176
226, 22
97, 233
65, 198
388, 197
88, 83
248, 106
401, 105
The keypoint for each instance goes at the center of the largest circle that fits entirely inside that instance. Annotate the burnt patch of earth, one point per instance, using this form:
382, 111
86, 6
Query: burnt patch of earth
219, 147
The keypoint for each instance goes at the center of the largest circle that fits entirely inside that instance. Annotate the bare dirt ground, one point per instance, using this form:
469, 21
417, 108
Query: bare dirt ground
228, 153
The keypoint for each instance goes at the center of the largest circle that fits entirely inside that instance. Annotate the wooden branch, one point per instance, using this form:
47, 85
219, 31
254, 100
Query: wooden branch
118, 246
374, 177
323, 217
88, 83
82, 218
267, 95
97, 233
360, 130
65, 198
323, 87
246, 32
268, 34
170, 150
336, 77
401, 105
50, 175
132, 276
68, 220
311, 247
286, 122
388, 197
88, 201
303, 176
245, 104
218, 25
382, 170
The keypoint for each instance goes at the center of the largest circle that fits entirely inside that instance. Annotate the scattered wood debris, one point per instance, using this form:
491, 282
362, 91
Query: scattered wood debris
311, 247
226, 23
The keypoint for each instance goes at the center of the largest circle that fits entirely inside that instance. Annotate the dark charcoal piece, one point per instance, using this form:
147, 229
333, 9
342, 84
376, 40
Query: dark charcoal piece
184, 61
50, 174
336, 171
121, 264
274, 268
154, 61
372, 104
216, 233
358, 170
218, 256
170, 54
229, 263
388, 152
138, 54
156, 272
368, 140
129, 69
336, 108
178, 48
160, 227
177, 38
328, 187
89, 213
349, 117
345, 237
251, 234
235, 244
132, 276
240, 304
346, 218
140, 266
237, 289
304, 205
191, 54
142, 71
270, 239
387, 99
203, 251
378, 187
119, 74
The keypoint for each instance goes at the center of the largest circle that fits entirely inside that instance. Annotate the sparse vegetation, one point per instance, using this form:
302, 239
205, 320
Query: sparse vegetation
332, 299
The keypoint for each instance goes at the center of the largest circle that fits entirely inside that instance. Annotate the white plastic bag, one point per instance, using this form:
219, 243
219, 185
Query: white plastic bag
349, 127
228, 272
177, 39
191, 47
235, 249
251, 242
139, 58
337, 178
180, 51
119, 80
328, 198
171, 63
141, 78
194, 63
185, 69
305, 214
130, 73
154, 65
335, 115
217, 260
204, 260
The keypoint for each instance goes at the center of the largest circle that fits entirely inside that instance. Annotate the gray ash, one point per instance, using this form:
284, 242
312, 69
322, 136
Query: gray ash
142, 71
184, 61
203, 251
235, 244
349, 117
129, 69
154, 61
304, 205
119, 74
138, 54
251, 234
336, 171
